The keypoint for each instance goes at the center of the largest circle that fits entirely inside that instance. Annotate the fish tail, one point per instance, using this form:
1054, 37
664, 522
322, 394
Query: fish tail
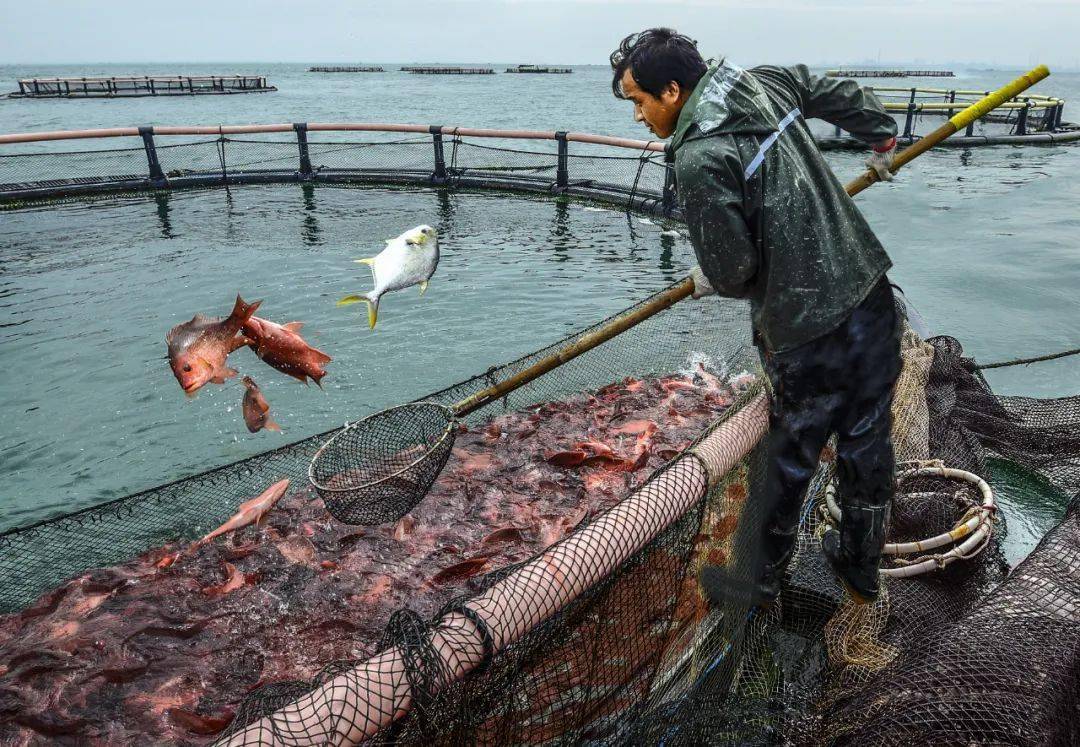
242, 311
272, 426
372, 306
372, 310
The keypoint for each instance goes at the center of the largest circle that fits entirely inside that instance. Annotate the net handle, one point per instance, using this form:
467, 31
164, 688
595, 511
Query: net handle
663, 300
977, 110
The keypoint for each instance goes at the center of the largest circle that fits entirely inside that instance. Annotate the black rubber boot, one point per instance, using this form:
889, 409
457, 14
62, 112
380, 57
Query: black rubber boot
854, 552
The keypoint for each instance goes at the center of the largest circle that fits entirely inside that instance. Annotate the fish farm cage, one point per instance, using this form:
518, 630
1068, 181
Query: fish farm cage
347, 69
599, 634
874, 73
140, 85
1029, 118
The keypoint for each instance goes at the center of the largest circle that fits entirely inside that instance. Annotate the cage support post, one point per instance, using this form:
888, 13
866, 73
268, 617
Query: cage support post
157, 176
562, 175
305, 155
439, 175
671, 187
910, 118
1022, 118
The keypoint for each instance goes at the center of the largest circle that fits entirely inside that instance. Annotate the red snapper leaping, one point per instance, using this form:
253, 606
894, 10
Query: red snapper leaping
281, 346
198, 348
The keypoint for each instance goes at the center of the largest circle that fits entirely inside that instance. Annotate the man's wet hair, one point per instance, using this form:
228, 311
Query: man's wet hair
656, 57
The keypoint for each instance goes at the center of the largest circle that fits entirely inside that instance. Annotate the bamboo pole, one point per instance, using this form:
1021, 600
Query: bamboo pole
663, 300
955, 124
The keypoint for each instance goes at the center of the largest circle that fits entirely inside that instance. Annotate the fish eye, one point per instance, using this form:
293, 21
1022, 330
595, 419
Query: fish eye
187, 368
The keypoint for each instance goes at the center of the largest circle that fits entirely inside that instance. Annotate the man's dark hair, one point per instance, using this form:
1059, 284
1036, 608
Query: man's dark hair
655, 57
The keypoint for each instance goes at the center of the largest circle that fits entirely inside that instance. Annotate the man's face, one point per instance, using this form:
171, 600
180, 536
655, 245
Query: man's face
659, 113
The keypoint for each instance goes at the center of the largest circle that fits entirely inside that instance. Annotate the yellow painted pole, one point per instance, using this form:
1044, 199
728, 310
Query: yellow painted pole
980, 108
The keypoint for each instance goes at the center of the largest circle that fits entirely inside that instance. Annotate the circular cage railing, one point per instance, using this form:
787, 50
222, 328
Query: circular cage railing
599, 167
635, 173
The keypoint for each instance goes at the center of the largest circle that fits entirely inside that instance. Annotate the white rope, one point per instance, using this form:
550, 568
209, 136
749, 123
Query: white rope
969, 537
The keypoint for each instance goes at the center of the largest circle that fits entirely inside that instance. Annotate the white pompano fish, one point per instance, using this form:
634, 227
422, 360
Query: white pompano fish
409, 259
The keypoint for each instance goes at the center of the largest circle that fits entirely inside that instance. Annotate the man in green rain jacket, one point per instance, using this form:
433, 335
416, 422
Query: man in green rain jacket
770, 223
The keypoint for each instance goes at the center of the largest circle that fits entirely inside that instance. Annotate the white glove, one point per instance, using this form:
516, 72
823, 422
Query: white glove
702, 286
880, 161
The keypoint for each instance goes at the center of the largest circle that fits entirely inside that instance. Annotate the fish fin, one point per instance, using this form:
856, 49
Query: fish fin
322, 357
272, 426
370, 262
294, 326
221, 376
423, 286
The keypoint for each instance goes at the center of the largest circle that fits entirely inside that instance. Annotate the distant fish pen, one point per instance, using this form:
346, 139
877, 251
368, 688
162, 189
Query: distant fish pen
347, 69
890, 73
541, 70
448, 70
1028, 119
145, 85
604, 636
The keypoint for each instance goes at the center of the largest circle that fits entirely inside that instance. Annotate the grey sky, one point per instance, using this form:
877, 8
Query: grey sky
996, 32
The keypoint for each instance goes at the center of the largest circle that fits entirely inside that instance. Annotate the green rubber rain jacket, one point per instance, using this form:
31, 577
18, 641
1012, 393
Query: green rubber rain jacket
768, 219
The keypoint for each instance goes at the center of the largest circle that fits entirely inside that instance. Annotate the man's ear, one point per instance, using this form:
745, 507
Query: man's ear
671, 93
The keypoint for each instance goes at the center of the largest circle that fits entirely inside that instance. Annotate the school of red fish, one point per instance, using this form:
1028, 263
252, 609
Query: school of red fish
163, 648
199, 348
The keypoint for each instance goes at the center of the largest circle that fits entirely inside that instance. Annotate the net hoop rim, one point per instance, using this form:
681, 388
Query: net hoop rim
451, 419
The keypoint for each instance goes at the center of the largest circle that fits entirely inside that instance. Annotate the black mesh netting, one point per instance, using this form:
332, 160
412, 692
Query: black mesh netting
545, 589
939, 661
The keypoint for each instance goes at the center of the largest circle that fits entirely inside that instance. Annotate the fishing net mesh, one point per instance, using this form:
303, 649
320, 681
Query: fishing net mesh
605, 636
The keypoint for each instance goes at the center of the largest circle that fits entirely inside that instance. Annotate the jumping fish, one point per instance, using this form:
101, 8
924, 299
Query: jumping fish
256, 408
198, 348
281, 346
250, 512
409, 259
